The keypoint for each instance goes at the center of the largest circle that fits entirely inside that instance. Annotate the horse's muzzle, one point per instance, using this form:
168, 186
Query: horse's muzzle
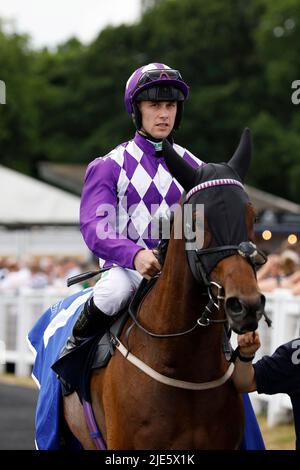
244, 314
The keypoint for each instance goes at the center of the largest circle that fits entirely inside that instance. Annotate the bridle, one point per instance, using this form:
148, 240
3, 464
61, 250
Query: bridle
247, 250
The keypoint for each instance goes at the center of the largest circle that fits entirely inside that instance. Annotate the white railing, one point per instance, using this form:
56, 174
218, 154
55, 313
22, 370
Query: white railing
18, 313
43, 241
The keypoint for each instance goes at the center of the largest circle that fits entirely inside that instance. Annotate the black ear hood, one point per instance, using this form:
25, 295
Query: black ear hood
240, 161
224, 210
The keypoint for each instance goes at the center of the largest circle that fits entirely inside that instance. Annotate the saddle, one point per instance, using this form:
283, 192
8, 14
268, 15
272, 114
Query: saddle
75, 368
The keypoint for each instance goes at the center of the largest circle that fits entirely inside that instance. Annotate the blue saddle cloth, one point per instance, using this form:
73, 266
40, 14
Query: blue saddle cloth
47, 337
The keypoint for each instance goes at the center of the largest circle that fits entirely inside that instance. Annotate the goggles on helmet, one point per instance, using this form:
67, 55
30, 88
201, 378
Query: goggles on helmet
158, 74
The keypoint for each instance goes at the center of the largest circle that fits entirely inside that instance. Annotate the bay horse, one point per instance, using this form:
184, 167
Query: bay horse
188, 401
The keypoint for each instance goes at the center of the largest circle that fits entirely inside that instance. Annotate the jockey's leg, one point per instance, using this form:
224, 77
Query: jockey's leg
115, 288
110, 294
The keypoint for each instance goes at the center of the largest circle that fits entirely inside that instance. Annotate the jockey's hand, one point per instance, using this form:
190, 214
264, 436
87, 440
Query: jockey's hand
249, 343
146, 263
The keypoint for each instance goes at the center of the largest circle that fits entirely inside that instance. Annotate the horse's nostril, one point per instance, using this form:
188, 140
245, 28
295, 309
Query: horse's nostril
234, 305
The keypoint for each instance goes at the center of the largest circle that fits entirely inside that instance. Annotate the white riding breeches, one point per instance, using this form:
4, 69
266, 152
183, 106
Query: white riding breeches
115, 288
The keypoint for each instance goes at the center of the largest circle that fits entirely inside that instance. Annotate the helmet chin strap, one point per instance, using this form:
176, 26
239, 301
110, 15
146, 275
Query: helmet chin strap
157, 143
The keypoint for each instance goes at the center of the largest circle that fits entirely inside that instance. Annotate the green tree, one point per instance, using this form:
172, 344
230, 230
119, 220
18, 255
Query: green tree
18, 118
239, 58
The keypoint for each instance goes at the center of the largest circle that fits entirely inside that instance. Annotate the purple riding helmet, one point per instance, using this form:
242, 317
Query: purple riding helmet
155, 82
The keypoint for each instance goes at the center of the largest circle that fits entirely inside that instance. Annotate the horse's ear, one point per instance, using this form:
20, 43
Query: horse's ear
178, 167
241, 159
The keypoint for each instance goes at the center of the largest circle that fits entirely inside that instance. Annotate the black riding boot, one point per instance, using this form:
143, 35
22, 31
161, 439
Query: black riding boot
90, 322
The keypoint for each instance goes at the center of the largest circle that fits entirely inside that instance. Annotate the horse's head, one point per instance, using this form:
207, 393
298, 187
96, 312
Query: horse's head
228, 258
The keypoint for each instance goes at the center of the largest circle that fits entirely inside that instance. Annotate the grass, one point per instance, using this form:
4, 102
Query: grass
280, 437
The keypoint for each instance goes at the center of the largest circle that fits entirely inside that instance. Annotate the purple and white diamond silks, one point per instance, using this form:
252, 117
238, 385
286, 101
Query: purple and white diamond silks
124, 193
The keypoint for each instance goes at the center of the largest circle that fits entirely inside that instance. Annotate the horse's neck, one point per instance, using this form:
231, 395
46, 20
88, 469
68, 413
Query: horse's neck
175, 304
177, 287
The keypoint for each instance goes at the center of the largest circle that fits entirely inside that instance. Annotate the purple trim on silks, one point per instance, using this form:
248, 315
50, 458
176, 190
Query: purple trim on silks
93, 426
211, 184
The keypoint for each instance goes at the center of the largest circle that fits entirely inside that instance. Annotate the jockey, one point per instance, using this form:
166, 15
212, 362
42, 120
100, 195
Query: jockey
125, 191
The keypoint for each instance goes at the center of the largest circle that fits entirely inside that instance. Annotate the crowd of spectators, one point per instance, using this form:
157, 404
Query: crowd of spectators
282, 270
41, 272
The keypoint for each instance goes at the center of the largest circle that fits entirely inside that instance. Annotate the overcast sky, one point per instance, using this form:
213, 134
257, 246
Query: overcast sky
50, 22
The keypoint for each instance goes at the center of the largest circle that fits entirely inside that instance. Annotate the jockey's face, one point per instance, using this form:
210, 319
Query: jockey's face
158, 117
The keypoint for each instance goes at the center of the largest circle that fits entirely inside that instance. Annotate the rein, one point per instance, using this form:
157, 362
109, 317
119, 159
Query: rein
204, 320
